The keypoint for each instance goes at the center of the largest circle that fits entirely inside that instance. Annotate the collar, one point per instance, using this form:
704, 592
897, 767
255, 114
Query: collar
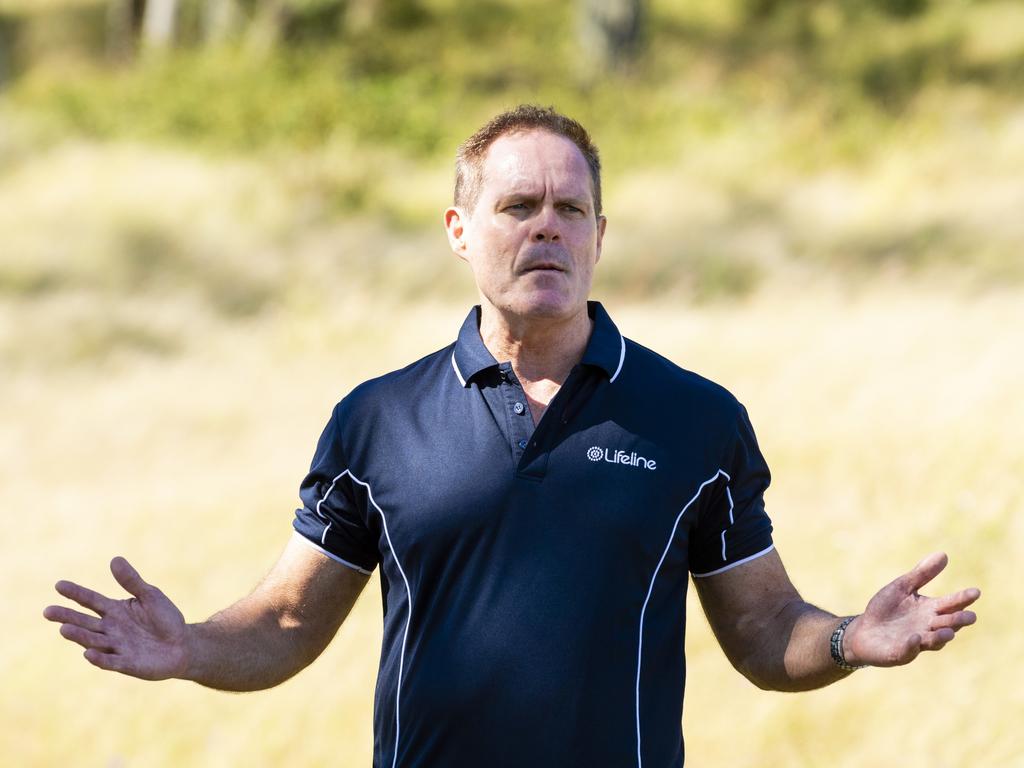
606, 348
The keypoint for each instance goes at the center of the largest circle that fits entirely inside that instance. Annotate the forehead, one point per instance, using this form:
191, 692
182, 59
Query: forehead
535, 158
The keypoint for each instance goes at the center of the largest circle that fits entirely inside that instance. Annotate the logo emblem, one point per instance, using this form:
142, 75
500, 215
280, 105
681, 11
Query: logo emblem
633, 459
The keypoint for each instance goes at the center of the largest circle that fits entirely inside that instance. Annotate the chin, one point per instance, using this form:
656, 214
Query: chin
543, 305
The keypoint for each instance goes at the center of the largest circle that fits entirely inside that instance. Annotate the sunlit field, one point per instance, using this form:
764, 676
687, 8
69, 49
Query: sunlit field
892, 420
203, 247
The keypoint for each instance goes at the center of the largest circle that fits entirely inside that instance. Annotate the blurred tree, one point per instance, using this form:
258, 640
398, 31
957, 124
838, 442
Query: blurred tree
610, 32
220, 20
901, 8
124, 22
7, 34
6, 41
262, 24
277, 21
760, 10
269, 24
361, 14
159, 24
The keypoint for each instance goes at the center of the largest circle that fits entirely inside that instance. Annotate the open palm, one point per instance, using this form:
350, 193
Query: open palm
899, 623
143, 636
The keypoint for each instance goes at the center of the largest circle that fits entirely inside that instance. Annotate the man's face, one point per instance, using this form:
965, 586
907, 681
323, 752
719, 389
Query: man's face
533, 239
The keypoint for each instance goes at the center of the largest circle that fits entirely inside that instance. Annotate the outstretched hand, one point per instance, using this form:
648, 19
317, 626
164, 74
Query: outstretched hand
899, 623
143, 636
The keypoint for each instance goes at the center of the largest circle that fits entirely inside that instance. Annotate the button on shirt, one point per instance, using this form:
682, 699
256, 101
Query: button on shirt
534, 579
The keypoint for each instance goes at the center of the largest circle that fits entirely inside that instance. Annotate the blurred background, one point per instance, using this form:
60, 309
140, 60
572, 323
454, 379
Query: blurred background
218, 216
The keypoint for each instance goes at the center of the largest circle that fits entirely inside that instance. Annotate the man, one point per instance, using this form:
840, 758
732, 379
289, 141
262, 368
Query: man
536, 495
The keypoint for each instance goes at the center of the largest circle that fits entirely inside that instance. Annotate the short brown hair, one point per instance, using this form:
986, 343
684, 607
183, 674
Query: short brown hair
469, 160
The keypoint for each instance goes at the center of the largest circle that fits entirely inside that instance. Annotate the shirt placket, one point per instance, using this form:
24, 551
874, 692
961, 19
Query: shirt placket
517, 411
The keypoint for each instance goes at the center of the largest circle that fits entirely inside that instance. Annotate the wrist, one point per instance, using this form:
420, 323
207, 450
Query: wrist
842, 649
188, 667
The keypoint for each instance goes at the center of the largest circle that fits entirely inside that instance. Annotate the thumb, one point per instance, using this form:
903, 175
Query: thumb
127, 576
924, 571
911, 649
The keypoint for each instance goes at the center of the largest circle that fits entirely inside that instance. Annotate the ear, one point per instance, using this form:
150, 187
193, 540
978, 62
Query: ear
602, 222
454, 224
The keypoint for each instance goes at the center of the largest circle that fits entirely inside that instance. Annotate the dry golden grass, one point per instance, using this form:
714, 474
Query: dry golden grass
892, 422
174, 329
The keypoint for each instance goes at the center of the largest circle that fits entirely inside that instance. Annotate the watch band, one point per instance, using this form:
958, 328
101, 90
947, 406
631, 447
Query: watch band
836, 646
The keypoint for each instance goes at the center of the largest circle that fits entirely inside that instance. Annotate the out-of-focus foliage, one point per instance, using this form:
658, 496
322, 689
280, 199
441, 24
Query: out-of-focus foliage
422, 72
271, 158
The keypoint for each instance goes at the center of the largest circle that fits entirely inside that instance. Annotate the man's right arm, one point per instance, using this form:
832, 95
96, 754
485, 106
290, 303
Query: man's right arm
260, 641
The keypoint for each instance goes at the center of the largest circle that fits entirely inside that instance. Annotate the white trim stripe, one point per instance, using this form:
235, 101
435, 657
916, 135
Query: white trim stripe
728, 494
321, 550
323, 536
458, 373
408, 592
408, 616
650, 589
730, 566
622, 357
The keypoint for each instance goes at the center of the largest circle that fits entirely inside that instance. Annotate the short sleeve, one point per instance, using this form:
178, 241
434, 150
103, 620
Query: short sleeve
733, 526
332, 517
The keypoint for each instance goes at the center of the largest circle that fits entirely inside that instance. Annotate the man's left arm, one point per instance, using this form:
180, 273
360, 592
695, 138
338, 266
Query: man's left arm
779, 642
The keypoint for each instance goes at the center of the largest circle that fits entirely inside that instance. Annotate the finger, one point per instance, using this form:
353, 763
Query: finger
71, 616
112, 661
935, 641
127, 576
85, 638
954, 621
956, 601
924, 571
84, 596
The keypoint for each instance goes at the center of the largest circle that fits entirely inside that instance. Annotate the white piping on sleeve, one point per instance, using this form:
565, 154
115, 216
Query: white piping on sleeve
458, 373
650, 589
408, 592
323, 536
408, 616
622, 357
730, 566
728, 494
321, 550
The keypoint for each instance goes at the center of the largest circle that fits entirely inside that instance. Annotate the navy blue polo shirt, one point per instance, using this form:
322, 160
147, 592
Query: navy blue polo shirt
534, 580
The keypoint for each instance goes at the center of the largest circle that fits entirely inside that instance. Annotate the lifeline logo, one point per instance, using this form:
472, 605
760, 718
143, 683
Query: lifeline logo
621, 457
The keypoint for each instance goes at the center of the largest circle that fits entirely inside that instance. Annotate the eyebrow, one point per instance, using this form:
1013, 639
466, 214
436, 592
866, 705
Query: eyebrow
523, 194
530, 194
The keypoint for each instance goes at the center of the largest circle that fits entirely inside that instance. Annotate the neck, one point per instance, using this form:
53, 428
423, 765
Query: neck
541, 350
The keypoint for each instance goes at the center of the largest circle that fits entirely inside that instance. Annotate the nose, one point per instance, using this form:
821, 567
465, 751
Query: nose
546, 226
